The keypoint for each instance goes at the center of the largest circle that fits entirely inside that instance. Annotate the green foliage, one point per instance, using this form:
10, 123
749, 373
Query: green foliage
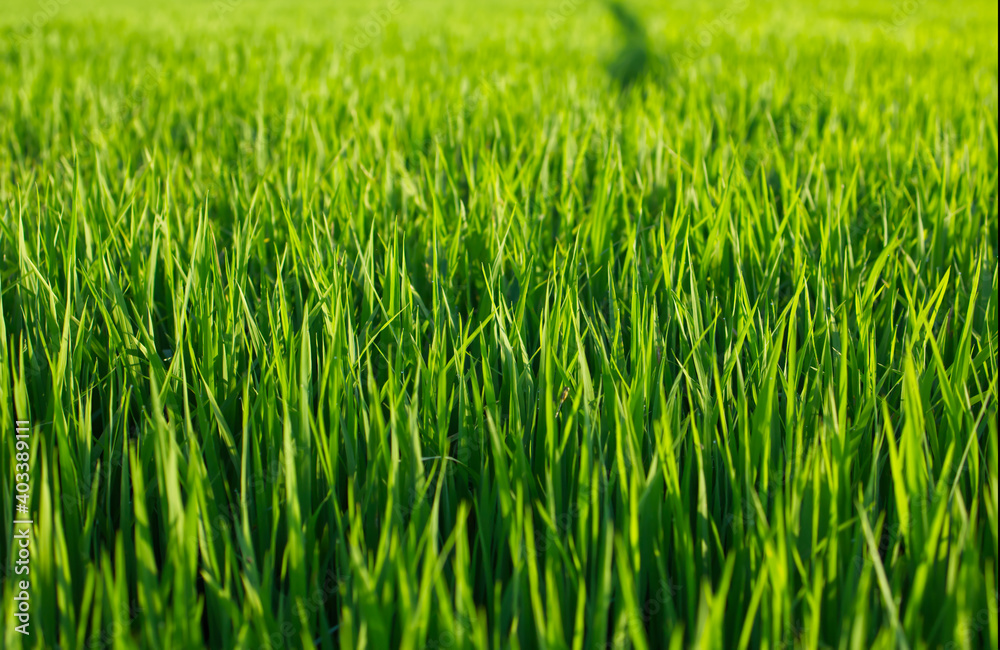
429, 340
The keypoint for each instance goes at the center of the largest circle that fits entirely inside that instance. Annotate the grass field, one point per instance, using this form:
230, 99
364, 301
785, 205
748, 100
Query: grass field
504, 324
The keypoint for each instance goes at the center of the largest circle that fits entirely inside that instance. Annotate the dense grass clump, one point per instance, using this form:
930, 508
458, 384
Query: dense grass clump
497, 324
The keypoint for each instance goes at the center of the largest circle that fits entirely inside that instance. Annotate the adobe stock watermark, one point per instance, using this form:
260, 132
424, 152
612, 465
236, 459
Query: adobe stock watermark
706, 33
665, 592
372, 25
258, 486
976, 629
902, 12
225, 7
482, 91
128, 104
447, 638
22, 527
461, 454
894, 533
32, 26
121, 623
222, 525
748, 517
792, 122
556, 17
332, 585
563, 522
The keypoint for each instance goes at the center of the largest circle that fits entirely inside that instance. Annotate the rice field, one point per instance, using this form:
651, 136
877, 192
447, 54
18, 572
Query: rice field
506, 324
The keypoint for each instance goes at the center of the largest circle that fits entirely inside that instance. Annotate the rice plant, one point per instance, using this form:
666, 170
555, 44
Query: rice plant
430, 324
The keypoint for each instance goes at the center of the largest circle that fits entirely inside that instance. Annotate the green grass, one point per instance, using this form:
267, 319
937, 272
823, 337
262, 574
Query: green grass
449, 339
